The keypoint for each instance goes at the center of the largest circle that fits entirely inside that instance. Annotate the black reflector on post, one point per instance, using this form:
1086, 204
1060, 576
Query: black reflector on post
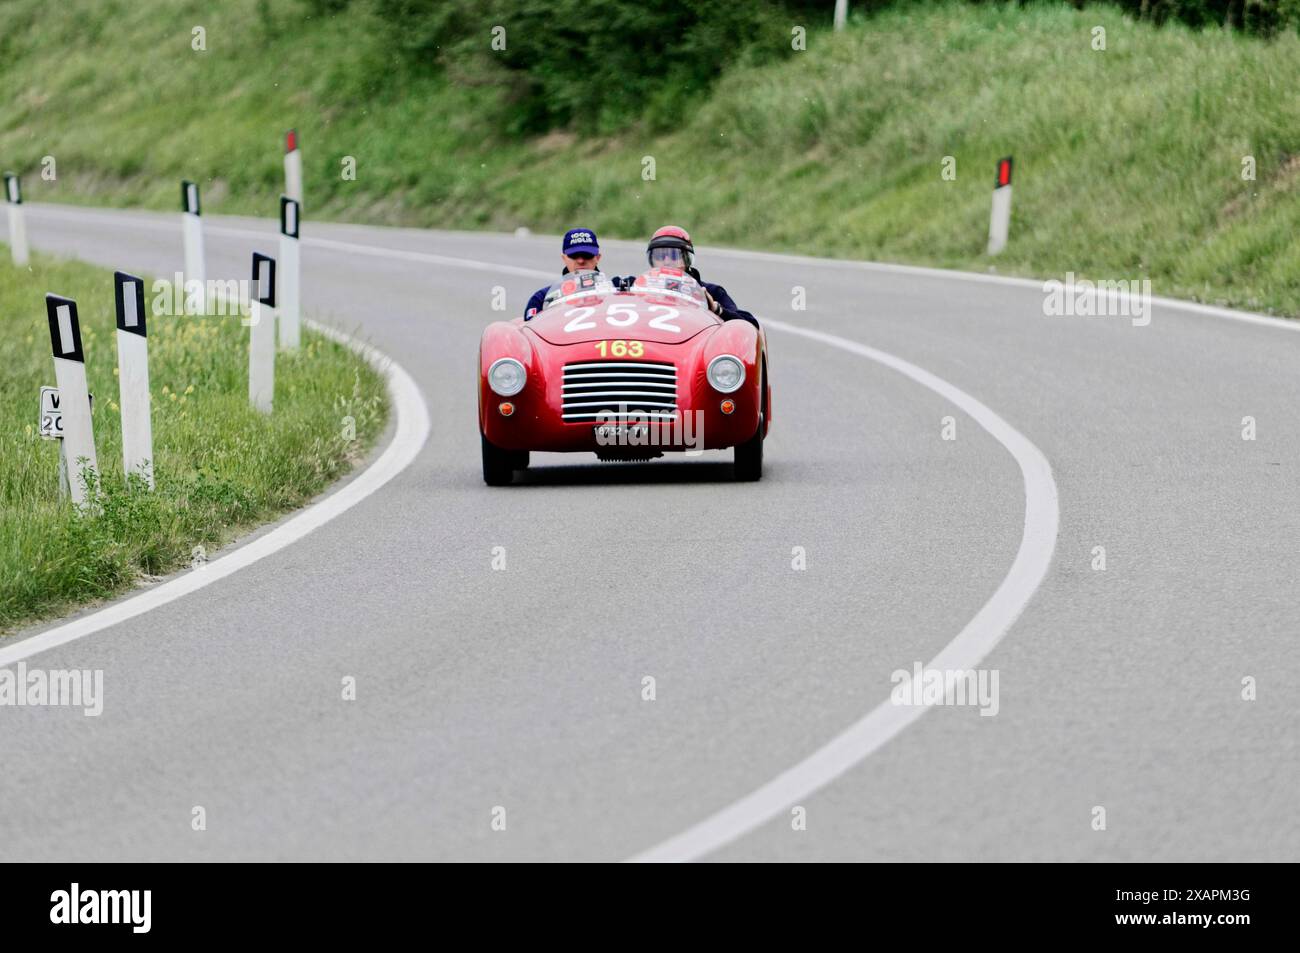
264, 279
130, 303
190, 197
288, 216
65, 329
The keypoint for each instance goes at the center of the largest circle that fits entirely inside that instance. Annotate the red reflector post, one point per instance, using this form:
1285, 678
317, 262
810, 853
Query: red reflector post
1004, 172
291, 140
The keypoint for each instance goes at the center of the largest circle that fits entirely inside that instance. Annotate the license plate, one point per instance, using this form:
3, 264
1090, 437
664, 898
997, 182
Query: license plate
610, 432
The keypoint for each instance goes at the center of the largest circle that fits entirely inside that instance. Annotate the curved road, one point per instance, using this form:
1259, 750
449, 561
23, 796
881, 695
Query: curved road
522, 688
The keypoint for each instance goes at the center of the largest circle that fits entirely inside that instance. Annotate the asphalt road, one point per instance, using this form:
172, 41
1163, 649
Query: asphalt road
522, 688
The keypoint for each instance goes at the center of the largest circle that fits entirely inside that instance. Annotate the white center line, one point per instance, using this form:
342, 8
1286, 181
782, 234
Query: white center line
966, 651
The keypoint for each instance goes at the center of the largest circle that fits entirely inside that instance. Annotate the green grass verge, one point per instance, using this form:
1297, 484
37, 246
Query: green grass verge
1129, 160
220, 466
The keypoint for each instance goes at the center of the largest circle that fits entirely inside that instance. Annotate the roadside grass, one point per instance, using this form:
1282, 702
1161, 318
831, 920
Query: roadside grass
220, 466
1129, 161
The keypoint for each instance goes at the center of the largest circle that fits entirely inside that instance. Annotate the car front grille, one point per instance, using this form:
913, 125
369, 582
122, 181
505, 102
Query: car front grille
616, 389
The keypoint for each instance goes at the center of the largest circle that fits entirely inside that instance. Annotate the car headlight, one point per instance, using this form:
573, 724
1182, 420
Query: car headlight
726, 373
507, 376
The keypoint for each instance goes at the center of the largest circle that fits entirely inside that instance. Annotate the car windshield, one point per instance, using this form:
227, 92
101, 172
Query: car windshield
577, 287
671, 283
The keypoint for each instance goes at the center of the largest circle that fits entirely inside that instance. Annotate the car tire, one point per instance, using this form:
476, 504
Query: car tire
749, 456
498, 464
519, 459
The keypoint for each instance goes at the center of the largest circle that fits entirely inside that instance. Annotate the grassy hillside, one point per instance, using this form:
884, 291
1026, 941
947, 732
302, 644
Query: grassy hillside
1128, 161
220, 466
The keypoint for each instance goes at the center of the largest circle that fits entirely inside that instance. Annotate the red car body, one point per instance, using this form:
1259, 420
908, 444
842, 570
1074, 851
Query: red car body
639, 360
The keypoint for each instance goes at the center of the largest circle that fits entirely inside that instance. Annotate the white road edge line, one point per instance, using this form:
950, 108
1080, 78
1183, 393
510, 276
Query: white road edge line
953, 274
375, 251
410, 433
966, 651
947, 274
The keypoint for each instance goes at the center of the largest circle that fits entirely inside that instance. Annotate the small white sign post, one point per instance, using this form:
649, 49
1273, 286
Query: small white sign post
51, 428
290, 276
261, 340
1000, 223
17, 219
195, 270
292, 167
51, 414
133, 377
78, 444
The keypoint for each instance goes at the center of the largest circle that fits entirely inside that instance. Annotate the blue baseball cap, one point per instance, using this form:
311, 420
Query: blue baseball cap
581, 241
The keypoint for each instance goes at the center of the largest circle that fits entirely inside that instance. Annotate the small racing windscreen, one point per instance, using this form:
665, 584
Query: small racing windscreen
577, 287
671, 283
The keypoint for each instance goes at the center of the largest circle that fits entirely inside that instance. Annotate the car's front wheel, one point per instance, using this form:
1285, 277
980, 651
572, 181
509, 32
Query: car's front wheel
498, 465
749, 456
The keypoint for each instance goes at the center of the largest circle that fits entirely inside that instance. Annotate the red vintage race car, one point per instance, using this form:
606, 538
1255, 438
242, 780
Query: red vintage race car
625, 373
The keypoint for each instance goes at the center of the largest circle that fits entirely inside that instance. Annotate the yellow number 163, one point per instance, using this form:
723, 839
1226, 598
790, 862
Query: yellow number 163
620, 348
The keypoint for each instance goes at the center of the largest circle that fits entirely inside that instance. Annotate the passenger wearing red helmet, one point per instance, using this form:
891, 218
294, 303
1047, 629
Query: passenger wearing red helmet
671, 247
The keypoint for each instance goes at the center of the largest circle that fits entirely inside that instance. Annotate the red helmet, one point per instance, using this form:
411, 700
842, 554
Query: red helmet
670, 236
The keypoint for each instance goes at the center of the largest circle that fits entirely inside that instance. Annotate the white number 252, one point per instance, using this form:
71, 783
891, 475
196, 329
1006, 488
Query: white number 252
621, 316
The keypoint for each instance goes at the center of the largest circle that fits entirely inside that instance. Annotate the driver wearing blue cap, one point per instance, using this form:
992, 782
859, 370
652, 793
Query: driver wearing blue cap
579, 252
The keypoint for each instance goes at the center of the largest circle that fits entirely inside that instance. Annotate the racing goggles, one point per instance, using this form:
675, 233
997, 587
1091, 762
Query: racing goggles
667, 257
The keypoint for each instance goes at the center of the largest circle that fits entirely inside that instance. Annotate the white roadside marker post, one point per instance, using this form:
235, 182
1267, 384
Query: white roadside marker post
1000, 222
261, 339
133, 377
191, 217
78, 444
292, 167
290, 276
841, 14
17, 219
